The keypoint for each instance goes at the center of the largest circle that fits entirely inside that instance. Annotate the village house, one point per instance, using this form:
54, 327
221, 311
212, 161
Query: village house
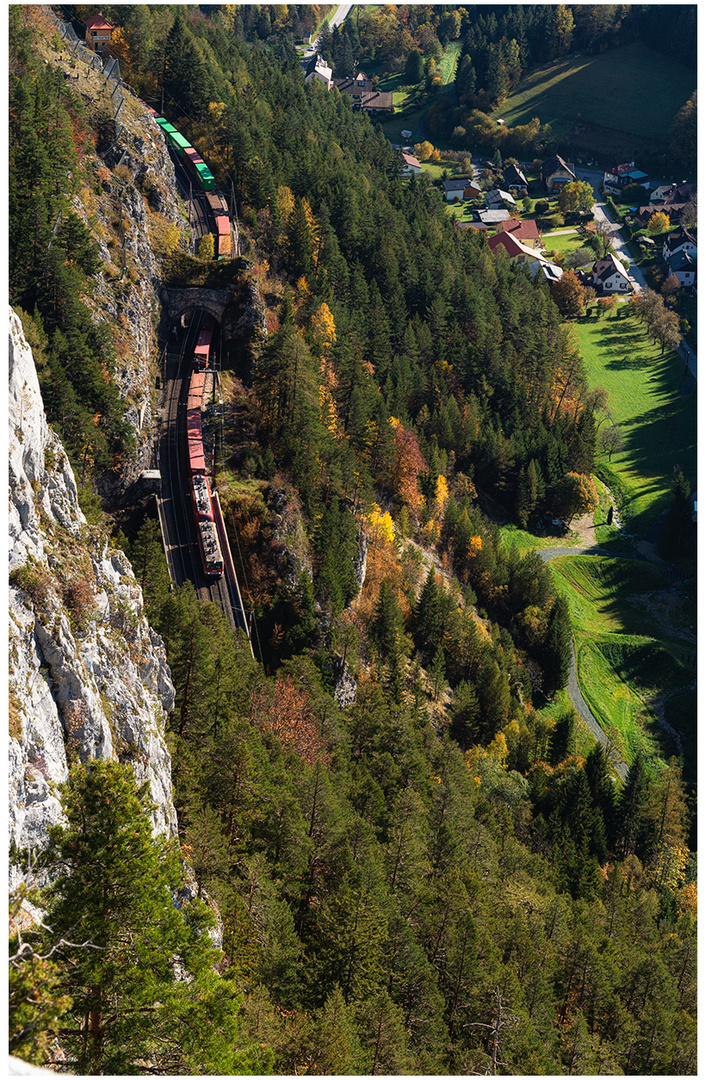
460, 189
523, 255
497, 199
410, 165
317, 68
673, 210
672, 193
622, 175
99, 33
492, 217
682, 265
363, 94
555, 173
525, 231
610, 276
514, 179
681, 242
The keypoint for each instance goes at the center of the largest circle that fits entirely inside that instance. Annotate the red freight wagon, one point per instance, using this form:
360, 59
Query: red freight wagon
194, 441
196, 389
203, 348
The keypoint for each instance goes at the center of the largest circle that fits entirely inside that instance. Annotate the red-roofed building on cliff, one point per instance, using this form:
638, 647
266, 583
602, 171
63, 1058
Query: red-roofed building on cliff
99, 33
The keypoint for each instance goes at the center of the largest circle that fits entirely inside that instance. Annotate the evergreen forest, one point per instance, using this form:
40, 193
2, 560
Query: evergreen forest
436, 875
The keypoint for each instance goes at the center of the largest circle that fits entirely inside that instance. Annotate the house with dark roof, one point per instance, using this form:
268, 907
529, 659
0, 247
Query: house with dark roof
673, 210
621, 175
460, 189
610, 276
555, 173
497, 199
671, 193
514, 179
679, 241
363, 94
99, 33
525, 231
317, 68
683, 266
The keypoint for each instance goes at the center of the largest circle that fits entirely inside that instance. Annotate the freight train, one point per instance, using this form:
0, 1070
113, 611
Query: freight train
202, 502
202, 176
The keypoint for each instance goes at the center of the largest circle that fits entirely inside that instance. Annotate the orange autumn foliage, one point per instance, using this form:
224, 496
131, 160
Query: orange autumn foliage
409, 463
285, 710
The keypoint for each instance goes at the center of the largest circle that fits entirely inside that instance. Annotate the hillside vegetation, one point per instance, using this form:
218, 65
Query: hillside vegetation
417, 870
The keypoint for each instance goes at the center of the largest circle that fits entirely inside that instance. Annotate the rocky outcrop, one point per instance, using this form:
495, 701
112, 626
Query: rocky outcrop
87, 675
133, 207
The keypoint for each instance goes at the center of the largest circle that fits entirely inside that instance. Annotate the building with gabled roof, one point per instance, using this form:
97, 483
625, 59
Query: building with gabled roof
523, 255
514, 178
317, 68
555, 173
99, 32
681, 240
524, 230
610, 276
410, 165
682, 265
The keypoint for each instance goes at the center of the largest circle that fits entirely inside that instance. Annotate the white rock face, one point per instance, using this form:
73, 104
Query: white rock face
88, 678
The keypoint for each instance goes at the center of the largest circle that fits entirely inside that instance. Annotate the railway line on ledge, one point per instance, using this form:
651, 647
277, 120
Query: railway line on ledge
174, 500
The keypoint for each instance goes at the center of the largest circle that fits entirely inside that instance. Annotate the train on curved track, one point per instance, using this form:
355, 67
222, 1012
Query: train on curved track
200, 174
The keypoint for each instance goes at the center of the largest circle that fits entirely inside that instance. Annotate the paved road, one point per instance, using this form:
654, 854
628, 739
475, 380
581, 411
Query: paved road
572, 687
336, 20
601, 213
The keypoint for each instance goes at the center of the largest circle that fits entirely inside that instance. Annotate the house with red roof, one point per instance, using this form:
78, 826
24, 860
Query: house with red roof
523, 255
524, 231
410, 165
99, 33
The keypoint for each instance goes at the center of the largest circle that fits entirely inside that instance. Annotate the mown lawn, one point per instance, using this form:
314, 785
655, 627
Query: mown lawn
658, 423
627, 616
565, 242
630, 89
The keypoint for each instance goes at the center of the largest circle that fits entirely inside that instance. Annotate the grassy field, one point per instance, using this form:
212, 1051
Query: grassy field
449, 62
658, 422
565, 242
634, 656
610, 91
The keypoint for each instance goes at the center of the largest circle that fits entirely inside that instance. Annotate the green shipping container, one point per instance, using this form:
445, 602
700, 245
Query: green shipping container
206, 177
178, 142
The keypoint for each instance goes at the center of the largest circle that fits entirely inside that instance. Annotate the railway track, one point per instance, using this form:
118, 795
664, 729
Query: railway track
180, 539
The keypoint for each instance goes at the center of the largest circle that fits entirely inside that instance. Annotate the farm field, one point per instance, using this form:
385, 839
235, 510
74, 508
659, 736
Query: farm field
658, 423
635, 650
607, 91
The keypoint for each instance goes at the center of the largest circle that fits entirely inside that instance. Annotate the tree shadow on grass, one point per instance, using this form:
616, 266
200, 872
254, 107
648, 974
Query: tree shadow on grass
635, 361
655, 441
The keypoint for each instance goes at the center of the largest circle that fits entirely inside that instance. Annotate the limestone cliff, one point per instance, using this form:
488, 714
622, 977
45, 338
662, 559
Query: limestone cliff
88, 677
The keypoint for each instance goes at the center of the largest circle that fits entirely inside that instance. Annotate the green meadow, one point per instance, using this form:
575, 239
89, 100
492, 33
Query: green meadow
634, 658
630, 89
657, 420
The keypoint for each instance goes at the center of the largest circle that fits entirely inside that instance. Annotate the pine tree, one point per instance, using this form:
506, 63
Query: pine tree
140, 972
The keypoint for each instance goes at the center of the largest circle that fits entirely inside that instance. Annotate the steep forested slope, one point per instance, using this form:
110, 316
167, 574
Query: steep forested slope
430, 879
